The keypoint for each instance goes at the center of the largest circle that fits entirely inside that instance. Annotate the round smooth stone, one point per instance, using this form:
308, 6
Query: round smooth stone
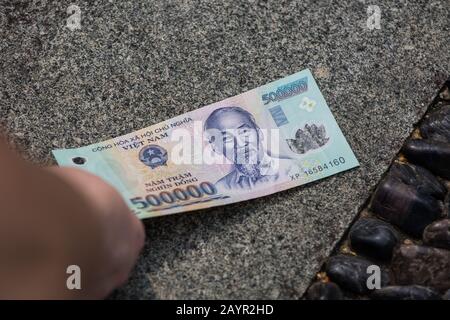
409, 197
446, 295
352, 273
324, 291
421, 265
437, 234
373, 238
405, 293
436, 125
433, 155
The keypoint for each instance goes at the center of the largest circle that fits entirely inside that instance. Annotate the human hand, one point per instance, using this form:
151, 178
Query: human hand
52, 218
121, 232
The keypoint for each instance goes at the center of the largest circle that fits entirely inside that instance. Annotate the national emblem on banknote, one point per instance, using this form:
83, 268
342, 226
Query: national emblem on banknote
153, 156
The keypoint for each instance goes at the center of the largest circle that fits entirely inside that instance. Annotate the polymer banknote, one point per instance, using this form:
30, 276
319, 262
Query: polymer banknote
266, 140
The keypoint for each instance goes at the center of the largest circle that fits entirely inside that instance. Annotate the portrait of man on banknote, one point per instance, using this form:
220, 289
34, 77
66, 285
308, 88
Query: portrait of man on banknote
233, 132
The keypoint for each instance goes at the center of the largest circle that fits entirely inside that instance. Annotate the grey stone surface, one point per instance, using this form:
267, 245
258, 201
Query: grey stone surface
136, 63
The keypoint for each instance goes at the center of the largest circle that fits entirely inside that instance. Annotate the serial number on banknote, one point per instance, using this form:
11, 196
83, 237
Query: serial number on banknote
320, 168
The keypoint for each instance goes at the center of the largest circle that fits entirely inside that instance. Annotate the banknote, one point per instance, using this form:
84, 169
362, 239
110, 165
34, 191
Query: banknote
272, 138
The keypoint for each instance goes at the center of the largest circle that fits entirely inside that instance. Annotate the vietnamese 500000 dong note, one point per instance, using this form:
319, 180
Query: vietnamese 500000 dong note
263, 141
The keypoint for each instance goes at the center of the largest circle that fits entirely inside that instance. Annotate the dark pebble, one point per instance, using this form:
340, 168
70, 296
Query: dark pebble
350, 273
437, 234
324, 291
410, 197
436, 125
433, 155
405, 293
373, 238
421, 265
446, 295
445, 93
